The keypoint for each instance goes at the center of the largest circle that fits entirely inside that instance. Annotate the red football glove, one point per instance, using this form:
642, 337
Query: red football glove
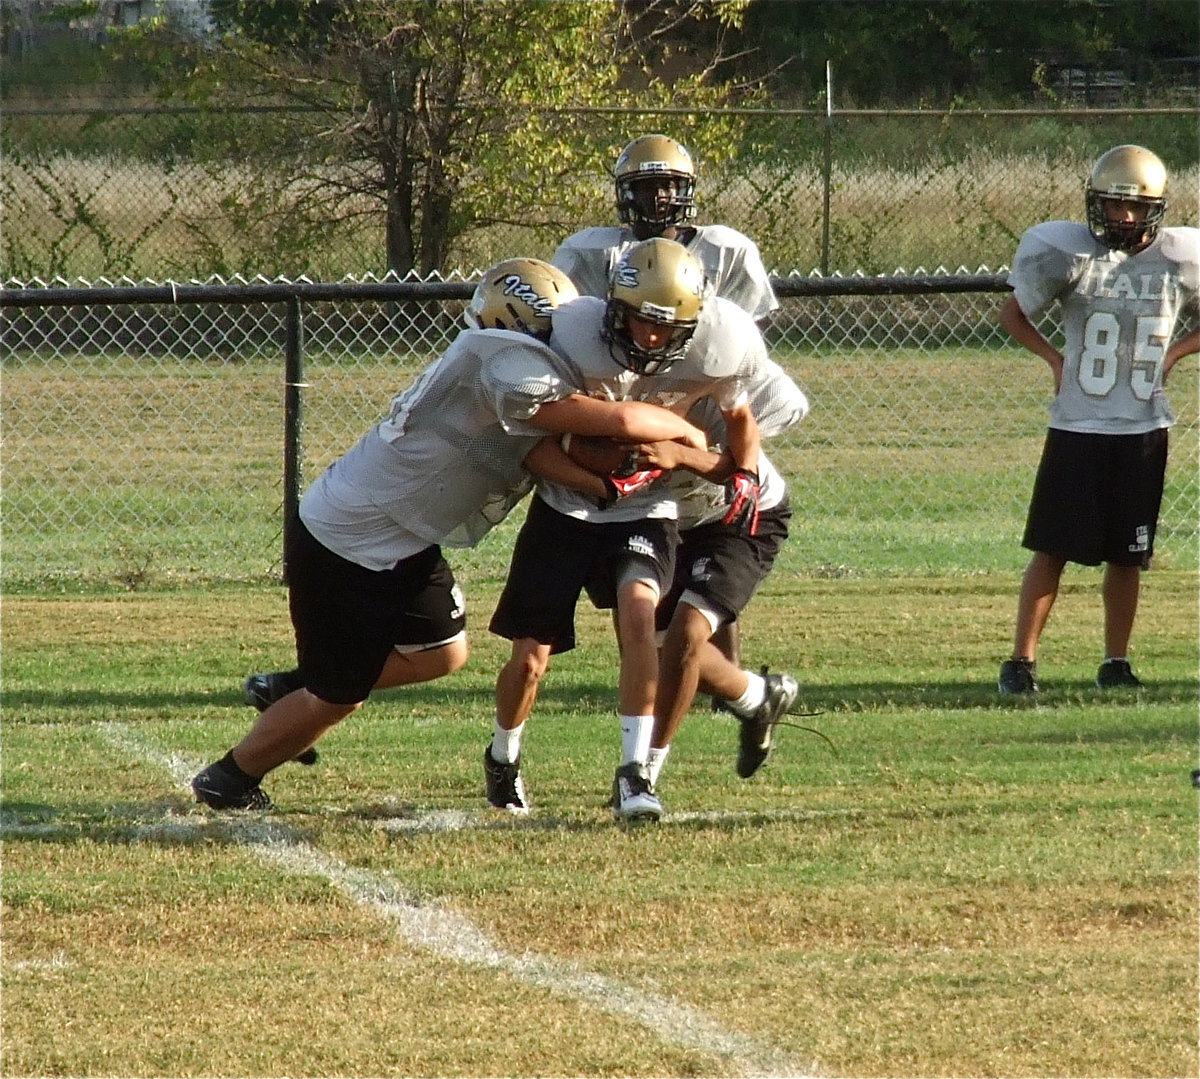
624, 483
741, 495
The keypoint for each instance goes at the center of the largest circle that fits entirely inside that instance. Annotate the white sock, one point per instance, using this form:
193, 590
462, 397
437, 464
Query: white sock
657, 758
756, 693
506, 745
636, 732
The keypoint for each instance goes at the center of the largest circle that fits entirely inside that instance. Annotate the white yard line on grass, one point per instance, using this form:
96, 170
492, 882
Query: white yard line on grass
458, 820
451, 936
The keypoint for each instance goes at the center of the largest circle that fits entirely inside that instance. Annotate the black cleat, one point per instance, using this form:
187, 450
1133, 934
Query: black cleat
263, 690
1117, 674
503, 784
757, 735
1018, 676
633, 797
218, 788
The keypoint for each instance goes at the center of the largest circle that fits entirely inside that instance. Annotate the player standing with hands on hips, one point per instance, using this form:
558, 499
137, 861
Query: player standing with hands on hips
1123, 284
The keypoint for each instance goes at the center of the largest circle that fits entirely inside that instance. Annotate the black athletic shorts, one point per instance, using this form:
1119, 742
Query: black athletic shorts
1096, 497
556, 556
724, 565
348, 618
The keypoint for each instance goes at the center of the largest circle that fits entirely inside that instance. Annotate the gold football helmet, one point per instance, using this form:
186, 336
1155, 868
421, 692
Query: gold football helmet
519, 294
656, 184
657, 281
1129, 174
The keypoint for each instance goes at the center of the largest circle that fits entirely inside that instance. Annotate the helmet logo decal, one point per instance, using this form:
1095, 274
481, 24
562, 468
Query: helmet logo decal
625, 275
653, 310
516, 285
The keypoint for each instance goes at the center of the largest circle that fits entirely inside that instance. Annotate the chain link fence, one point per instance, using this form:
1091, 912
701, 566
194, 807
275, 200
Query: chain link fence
157, 194
143, 443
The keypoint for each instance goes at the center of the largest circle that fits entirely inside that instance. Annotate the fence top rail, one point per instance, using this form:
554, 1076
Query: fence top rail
117, 109
883, 285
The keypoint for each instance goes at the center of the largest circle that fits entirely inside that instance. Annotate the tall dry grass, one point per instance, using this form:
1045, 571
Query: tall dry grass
86, 217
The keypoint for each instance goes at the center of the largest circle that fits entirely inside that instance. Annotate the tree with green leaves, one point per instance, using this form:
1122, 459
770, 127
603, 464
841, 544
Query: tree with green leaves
446, 116
902, 52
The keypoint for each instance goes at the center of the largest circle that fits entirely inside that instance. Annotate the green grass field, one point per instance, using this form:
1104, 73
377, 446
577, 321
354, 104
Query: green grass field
913, 462
963, 885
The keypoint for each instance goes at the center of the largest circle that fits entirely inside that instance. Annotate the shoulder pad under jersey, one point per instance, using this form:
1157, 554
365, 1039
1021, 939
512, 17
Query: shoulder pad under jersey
1069, 237
727, 339
1181, 244
598, 236
724, 236
576, 326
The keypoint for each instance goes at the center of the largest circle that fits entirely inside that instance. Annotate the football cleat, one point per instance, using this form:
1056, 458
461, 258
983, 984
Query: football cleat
505, 790
1117, 674
757, 735
263, 690
633, 797
1018, 676
218, 788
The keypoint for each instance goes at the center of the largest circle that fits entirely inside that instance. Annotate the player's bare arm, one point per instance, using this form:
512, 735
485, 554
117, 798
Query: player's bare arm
743, 439
1016, 324
714, 467
628, 421
1185, 346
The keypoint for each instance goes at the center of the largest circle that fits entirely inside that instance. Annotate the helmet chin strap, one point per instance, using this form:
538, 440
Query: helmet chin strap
1127, 238
647, 230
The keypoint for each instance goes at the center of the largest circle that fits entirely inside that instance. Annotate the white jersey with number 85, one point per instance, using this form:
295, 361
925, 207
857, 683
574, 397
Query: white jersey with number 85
1119, 314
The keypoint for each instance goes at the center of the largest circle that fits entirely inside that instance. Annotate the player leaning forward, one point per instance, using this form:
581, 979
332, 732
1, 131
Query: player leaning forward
373, 602
719, 564
1123, 285
659, 337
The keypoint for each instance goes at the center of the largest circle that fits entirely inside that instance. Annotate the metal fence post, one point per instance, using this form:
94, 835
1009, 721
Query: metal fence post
827, 178
293, 417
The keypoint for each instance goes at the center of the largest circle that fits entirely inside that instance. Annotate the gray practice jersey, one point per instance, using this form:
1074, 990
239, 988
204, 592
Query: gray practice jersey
445, 465
777, 403
724, 359
731, 262
1119, 313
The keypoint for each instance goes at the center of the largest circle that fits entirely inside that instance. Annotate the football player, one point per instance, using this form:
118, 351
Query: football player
373, 602
655, 186
655, 181
659, 336
1124, 286
719, 567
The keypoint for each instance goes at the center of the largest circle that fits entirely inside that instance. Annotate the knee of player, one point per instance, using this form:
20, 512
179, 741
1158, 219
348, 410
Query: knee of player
455, 655
685, 639
330, 712
530, 660
635, 621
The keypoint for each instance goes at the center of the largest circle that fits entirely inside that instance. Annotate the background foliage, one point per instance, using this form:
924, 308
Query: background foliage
431, 136
162, 194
